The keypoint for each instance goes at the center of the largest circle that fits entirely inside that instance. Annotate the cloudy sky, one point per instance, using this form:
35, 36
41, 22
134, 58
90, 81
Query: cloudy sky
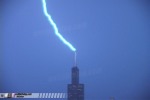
112, 38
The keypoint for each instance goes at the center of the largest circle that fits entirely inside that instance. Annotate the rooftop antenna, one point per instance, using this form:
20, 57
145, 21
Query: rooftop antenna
75, 58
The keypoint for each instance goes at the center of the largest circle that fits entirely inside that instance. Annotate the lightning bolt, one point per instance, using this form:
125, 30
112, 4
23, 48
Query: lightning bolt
55, 27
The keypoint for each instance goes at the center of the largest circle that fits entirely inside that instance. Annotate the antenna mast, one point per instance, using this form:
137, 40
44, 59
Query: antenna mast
75, 58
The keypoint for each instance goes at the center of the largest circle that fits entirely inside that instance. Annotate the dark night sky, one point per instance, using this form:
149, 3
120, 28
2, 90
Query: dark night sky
112, 38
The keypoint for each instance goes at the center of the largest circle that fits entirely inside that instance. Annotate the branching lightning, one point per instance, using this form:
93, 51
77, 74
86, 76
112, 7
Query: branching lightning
55, 27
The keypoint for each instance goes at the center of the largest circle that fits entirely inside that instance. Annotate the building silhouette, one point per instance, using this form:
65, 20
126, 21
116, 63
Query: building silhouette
75, 89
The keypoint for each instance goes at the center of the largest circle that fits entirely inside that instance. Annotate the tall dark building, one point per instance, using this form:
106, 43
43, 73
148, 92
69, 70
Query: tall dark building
75, 89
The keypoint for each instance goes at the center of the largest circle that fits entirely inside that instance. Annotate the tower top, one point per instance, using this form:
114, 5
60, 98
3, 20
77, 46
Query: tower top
75, 89
75, 75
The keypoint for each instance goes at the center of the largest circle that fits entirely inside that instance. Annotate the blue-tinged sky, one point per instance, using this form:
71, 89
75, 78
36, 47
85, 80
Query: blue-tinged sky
112, 38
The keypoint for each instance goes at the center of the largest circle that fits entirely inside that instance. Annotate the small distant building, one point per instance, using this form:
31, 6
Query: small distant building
112, 98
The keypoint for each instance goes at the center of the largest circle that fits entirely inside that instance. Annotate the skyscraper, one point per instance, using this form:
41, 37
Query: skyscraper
75, 89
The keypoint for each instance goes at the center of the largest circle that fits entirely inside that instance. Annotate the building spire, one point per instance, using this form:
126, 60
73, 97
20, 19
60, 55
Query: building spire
75, 58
